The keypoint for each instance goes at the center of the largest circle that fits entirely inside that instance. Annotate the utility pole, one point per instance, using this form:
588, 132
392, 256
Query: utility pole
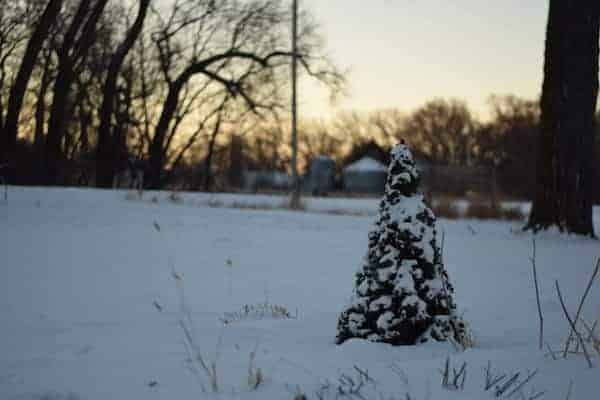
295, 201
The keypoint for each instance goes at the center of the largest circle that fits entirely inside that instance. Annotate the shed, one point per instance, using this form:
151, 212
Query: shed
321, 175
366, 175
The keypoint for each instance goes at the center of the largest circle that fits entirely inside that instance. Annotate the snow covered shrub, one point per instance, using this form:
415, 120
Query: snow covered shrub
402, 295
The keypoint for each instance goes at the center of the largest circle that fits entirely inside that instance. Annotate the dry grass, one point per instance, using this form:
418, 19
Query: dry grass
513, 214
484, 210
478, 208
248, 206
453, 379
446, 207
581, 333
443, 207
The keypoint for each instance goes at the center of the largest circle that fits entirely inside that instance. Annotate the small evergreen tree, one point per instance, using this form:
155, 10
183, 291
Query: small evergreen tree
402, 294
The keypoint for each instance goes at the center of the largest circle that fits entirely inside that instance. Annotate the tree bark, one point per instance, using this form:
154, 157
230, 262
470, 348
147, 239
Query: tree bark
17, 91
569, 94
106, 150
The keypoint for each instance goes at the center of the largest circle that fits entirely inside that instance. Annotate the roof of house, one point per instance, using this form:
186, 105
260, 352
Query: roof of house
366, 164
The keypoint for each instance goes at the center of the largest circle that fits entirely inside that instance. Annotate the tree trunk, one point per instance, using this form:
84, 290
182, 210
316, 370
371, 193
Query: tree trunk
569, 93
17, 91
106, 150
40, 119
208, 177
57, 125
235, 161
157, 151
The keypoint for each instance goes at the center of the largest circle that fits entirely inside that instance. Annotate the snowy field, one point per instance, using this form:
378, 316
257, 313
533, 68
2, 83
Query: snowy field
90, 306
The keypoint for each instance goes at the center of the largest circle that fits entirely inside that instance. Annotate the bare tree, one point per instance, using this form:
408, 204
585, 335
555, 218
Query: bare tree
105, 152
508, 141
12, 34
237, 46
143, 76
388, 125
76, 42
19, 87
318, 138
166, 93
353, 126
443, 129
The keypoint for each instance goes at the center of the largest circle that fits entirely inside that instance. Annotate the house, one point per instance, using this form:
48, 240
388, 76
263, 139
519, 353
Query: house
365, 175
366, 168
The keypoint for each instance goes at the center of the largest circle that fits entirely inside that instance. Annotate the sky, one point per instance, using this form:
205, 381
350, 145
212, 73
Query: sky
402, 53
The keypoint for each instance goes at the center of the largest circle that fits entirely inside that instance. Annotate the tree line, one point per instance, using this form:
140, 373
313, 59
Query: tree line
441, 131
86, 85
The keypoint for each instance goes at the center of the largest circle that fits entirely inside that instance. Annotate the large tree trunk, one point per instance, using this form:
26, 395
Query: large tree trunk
106, 157
569, 94
17, 91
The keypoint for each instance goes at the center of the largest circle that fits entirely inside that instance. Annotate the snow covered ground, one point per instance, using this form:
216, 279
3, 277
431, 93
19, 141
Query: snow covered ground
89, 306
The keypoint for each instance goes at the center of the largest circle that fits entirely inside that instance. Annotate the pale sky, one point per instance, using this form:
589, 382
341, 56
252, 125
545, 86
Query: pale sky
402, 53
